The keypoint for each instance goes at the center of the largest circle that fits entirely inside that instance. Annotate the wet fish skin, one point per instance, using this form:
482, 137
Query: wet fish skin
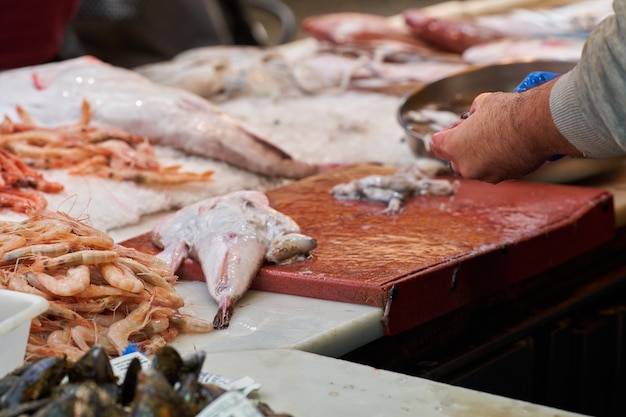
52, 94
230, 236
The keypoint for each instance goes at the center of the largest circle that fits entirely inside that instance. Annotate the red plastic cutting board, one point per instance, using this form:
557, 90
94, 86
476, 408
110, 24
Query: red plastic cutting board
438, 254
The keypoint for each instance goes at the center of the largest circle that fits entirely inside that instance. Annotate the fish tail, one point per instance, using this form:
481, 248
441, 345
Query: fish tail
223, 315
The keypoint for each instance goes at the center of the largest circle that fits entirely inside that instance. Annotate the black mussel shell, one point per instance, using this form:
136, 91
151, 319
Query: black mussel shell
85, 399
168, 361
77, 388
129, 385
7, 382
156, 396
193, 363
24, 409
92, 366
196, 394
36, 382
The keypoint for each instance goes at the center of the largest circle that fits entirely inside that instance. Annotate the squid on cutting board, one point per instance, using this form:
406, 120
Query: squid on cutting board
230, 236
392, 190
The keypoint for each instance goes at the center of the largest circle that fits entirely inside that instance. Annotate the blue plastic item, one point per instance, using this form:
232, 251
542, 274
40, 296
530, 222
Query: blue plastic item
533, 80
131, 348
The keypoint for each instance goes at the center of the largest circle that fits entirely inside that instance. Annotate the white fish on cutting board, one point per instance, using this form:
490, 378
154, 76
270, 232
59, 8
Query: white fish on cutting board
230, 236
52, 94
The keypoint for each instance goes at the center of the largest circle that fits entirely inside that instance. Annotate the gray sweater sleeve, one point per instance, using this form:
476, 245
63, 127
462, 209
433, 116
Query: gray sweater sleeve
588, 104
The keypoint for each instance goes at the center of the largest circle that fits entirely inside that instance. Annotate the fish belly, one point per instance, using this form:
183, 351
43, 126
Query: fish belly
230, 263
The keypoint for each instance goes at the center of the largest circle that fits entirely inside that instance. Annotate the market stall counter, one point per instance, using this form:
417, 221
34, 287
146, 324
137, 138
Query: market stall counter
323, 307
447, 286
305, 384
438, 254
461, 337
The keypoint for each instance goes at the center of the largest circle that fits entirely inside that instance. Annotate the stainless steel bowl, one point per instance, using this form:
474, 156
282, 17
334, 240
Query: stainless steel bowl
455, 94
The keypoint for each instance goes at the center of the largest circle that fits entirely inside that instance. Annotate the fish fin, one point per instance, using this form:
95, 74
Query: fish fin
289, 246
174, 254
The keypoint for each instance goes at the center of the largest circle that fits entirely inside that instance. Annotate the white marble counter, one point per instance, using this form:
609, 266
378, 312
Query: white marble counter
304, 384
264, 320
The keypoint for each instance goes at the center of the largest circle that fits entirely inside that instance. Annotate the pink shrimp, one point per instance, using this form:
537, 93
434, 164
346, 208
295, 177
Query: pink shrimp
74, 281
17, 282
120, 332
120, 276
60, 311
189, 324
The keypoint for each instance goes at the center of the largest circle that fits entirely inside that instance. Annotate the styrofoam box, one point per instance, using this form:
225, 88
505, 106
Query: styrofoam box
17, 310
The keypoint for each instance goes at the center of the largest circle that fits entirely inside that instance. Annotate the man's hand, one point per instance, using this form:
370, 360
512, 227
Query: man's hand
505, 136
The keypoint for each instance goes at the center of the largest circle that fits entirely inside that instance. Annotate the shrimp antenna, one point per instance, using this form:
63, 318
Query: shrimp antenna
72, 200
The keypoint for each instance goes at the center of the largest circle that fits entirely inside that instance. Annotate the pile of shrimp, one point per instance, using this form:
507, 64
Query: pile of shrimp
99, 292
21, 186
90, 150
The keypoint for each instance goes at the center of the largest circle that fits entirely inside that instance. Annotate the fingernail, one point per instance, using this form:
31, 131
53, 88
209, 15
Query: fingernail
455, 124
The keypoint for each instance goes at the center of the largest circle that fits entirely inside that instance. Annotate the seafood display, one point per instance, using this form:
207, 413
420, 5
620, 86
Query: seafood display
353, 50
99, 292
339, 70
349, 51
88, 118
449, 35
393, 190
566, 49
170, 385
171, 117
354, 28
230, 236
459, 34
575, 19
89, 150
21, 187
223, 72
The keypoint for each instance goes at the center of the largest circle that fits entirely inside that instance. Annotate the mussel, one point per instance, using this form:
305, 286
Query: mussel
85, 399
169, 363
197, 395
93, 366
36, 382
169, 387
155, 396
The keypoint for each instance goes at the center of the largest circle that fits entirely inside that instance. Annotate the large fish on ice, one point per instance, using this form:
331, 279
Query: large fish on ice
53, 93
230, 236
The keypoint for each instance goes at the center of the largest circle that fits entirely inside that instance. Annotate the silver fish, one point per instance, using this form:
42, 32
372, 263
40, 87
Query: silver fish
230, 236
222, 72
52, 94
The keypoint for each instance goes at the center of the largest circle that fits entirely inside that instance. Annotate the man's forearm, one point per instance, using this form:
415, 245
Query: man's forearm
588, 104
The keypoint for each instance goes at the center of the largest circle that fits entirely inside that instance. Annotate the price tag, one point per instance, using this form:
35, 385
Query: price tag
231, 404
